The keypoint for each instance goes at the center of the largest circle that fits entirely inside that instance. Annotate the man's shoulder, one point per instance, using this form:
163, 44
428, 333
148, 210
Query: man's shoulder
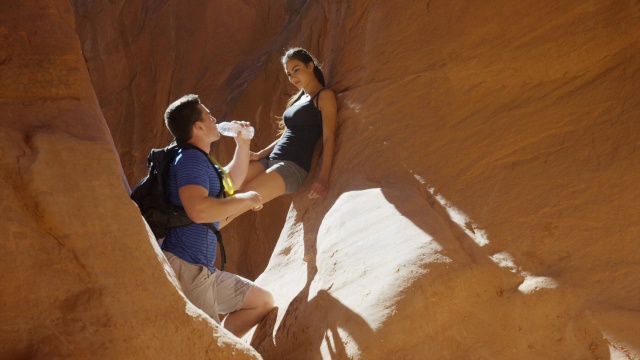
190, 155
190, 162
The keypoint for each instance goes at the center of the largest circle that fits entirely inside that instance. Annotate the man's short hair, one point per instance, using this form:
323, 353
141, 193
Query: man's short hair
181, 115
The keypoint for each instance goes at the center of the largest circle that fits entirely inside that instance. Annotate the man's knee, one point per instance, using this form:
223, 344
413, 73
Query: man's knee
267, 300
261, 298
270, 302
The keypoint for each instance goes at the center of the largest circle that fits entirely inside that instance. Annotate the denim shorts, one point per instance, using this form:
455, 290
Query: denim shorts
292, 174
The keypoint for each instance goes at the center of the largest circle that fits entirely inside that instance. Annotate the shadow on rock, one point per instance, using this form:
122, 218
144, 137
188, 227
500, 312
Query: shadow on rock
307, 324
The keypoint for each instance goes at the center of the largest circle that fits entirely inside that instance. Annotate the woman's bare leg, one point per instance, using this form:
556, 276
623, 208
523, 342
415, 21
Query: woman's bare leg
255, 169
268, 185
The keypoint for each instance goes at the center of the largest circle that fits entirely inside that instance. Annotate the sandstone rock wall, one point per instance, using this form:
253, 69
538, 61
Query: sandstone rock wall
483, 197
483, 202
80, 278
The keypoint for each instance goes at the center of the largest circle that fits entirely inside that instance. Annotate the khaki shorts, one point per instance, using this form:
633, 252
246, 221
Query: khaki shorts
214, 293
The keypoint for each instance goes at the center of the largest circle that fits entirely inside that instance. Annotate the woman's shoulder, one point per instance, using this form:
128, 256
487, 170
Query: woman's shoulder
326, 98
327, 92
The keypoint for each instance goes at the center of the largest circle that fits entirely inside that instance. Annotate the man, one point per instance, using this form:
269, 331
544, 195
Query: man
191, 250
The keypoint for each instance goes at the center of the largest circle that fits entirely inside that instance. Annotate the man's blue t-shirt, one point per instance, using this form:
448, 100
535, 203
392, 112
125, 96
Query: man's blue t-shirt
194, 243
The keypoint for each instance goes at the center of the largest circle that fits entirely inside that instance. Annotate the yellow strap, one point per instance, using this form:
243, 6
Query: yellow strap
226, 179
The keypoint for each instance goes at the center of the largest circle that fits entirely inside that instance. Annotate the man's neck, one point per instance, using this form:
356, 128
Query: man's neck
202, 144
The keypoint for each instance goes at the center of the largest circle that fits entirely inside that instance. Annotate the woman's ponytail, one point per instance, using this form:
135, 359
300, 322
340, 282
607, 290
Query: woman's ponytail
319, 75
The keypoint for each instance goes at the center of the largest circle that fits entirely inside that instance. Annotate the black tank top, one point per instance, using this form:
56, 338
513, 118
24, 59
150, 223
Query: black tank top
304, 127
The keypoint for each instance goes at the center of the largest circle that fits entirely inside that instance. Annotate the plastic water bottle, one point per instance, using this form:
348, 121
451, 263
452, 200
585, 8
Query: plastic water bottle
231, 129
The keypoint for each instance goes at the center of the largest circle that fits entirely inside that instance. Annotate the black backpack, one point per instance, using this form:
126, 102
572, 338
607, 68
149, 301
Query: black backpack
152, 196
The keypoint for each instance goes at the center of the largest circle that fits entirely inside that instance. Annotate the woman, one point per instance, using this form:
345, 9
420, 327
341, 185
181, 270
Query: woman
282, 167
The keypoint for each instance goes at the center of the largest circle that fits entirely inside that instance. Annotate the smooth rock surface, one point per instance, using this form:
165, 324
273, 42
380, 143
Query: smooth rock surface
483, 203
80, 277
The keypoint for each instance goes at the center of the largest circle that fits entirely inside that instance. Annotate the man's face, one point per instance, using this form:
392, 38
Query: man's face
211, 130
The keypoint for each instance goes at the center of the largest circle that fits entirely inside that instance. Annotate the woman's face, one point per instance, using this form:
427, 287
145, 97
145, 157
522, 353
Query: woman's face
299, 74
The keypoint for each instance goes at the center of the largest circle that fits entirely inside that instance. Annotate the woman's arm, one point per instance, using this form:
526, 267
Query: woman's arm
264, 152
329, 109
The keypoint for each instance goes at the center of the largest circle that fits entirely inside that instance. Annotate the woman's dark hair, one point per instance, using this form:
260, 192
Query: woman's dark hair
305, 57
181, 115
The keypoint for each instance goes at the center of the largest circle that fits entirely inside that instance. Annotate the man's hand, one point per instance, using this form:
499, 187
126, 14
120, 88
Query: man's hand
240, 141
252, 198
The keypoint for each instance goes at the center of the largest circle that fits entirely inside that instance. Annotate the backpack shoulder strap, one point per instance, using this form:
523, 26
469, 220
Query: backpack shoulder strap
217, 167
223, 254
